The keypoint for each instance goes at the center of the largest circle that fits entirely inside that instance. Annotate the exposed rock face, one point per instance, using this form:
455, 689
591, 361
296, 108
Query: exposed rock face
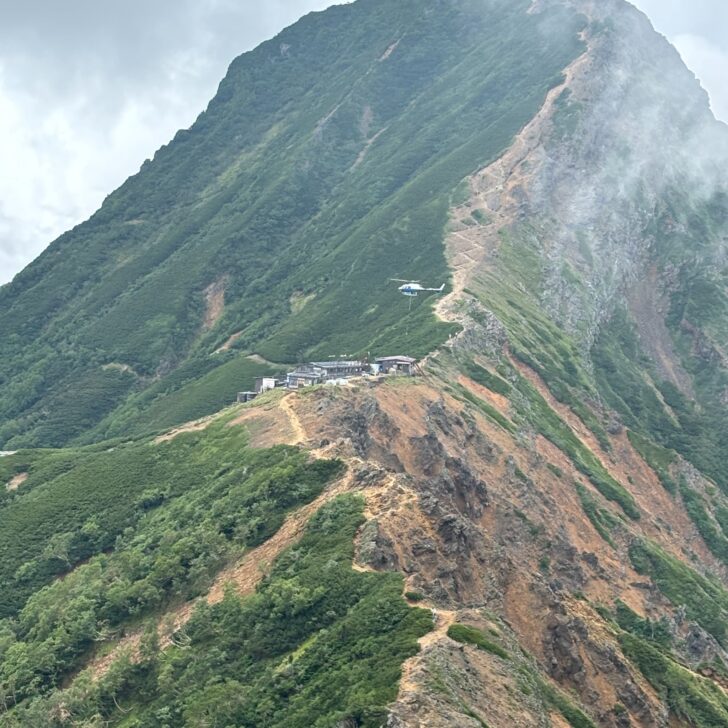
491, 537
560, 647
520, 509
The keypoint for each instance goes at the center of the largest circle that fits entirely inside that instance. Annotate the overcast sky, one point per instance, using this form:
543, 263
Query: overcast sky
91, 88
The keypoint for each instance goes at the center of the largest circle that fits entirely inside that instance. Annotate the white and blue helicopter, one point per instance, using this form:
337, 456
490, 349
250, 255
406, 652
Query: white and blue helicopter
412, 288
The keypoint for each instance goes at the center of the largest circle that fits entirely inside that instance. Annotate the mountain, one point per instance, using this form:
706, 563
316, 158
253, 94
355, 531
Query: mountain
324, 166
532, 532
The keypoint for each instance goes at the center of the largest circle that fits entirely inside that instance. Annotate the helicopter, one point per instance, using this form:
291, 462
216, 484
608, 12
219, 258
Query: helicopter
412, 288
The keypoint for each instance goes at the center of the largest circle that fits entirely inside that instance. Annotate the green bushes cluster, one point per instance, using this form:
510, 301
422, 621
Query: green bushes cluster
602, 520
485, 408
658, 458
531, 682
83, 500
705, 601
573, 715
487, 379
472, 636
693, 699
707, 526
657, 632
318, 644
219, 498
711, 524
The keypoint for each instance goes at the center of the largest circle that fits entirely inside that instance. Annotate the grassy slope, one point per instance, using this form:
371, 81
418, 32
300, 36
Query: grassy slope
192, 392
268, 191
149, 526
131, 529
76, 502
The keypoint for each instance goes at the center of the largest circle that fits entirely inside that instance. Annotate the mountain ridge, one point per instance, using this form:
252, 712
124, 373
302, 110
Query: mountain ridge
534, 532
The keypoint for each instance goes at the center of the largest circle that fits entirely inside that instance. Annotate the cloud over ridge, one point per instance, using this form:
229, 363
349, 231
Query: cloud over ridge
89, 90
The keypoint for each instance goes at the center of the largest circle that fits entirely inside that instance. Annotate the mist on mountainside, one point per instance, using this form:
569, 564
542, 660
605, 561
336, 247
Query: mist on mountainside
517, 517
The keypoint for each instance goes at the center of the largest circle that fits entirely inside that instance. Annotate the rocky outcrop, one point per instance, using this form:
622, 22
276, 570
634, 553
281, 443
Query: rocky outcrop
467, 525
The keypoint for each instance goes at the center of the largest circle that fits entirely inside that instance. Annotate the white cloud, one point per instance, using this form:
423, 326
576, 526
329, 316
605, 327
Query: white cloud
709, 62
60, 161
699, 30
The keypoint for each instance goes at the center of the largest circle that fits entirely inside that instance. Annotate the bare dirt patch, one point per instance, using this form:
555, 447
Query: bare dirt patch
274, 421
286, 405
258, 359
268, 425
195, 426
392, 48
229, 343
649, 309
442, 621
117, 366
247, 573
558, 721
214, 303
501, 403
16, 481
299, 300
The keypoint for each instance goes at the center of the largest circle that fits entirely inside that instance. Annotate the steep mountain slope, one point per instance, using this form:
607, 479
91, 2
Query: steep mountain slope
532, 533
323, 166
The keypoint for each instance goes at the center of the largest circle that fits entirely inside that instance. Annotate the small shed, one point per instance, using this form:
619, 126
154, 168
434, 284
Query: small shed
303, 378
263, 384
396, 365
246, 396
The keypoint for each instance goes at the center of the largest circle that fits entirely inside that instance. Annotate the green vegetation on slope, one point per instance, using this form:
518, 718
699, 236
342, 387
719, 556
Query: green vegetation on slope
648, 644
658, 458
487, 379
317, 644
534, 410
188, 394
472, 636
485, 408
691, 698
547, 422
153, 524
325, 165
533, 682
573, 715
705, 522
656, 632
657, 409
705, 601
602, 520
78, 503
512, 290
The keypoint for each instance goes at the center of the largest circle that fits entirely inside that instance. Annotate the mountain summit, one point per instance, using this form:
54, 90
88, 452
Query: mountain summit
533, 531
